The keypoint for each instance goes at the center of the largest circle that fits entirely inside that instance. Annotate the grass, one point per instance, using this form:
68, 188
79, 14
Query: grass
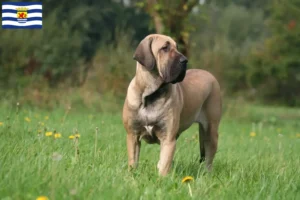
266, 166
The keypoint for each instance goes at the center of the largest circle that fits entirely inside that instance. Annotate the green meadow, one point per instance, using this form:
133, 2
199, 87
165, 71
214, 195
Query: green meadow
258, 157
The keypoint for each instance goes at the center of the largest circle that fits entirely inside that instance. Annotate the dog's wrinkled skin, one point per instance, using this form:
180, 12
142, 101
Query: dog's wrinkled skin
164, 99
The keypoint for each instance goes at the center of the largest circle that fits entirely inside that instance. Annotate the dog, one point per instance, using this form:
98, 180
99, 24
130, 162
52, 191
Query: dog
164, 99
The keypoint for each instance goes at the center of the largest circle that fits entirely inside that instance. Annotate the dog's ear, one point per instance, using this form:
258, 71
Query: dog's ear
143, 54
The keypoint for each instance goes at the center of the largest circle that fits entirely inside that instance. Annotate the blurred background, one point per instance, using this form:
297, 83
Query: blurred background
82, 57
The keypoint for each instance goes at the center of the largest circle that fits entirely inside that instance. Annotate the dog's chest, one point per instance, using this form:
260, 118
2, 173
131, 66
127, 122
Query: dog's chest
149, 123
149, 115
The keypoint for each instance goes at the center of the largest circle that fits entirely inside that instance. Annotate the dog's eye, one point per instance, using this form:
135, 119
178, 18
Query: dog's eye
165, 48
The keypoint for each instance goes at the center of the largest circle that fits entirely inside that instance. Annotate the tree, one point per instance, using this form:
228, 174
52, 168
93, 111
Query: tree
276, 64
171, 17
64, 48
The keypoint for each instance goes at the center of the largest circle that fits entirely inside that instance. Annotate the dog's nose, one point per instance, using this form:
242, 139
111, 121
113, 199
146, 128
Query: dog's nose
183, 60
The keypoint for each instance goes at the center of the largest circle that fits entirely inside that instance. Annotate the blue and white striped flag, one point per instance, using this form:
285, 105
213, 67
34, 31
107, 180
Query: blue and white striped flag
22, 15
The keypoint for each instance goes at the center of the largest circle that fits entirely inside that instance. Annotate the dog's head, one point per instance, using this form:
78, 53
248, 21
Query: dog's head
159, 52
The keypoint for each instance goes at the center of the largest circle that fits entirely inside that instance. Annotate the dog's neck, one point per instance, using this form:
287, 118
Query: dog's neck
149, 83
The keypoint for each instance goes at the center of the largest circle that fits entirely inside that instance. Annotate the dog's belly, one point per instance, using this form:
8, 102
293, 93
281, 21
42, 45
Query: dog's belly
185, 126
150, 133
188, 119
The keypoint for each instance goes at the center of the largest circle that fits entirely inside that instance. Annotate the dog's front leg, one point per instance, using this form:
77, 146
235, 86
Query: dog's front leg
133, 150
167, 150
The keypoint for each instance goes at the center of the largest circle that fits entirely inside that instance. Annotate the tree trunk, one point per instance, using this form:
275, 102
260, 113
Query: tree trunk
159, 27
171, 18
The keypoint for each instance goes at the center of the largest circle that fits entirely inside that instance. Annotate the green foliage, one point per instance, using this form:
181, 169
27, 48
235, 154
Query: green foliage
64, 49
114, 67
59, 51
222, 43
276, 63
253, 4
252, 47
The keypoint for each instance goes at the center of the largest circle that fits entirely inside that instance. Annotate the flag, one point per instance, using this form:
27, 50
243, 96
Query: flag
21, 15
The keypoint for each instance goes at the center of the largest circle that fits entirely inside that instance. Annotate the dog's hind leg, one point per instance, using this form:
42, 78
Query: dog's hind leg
208, 139
211, 144
212, 109
209, 120
201, 142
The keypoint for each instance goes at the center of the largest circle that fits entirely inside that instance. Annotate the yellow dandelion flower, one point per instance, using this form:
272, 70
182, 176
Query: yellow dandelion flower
187, 179
252, 134
71, 137
298, 135
57, 135
77, 135
48, 134
42, 123
1, 123
27, 119
46, 117
42, 198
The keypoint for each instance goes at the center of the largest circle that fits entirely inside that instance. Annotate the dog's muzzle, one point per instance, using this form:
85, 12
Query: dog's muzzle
183, 65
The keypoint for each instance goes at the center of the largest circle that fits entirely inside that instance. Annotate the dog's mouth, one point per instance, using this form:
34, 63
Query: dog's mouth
182, 73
